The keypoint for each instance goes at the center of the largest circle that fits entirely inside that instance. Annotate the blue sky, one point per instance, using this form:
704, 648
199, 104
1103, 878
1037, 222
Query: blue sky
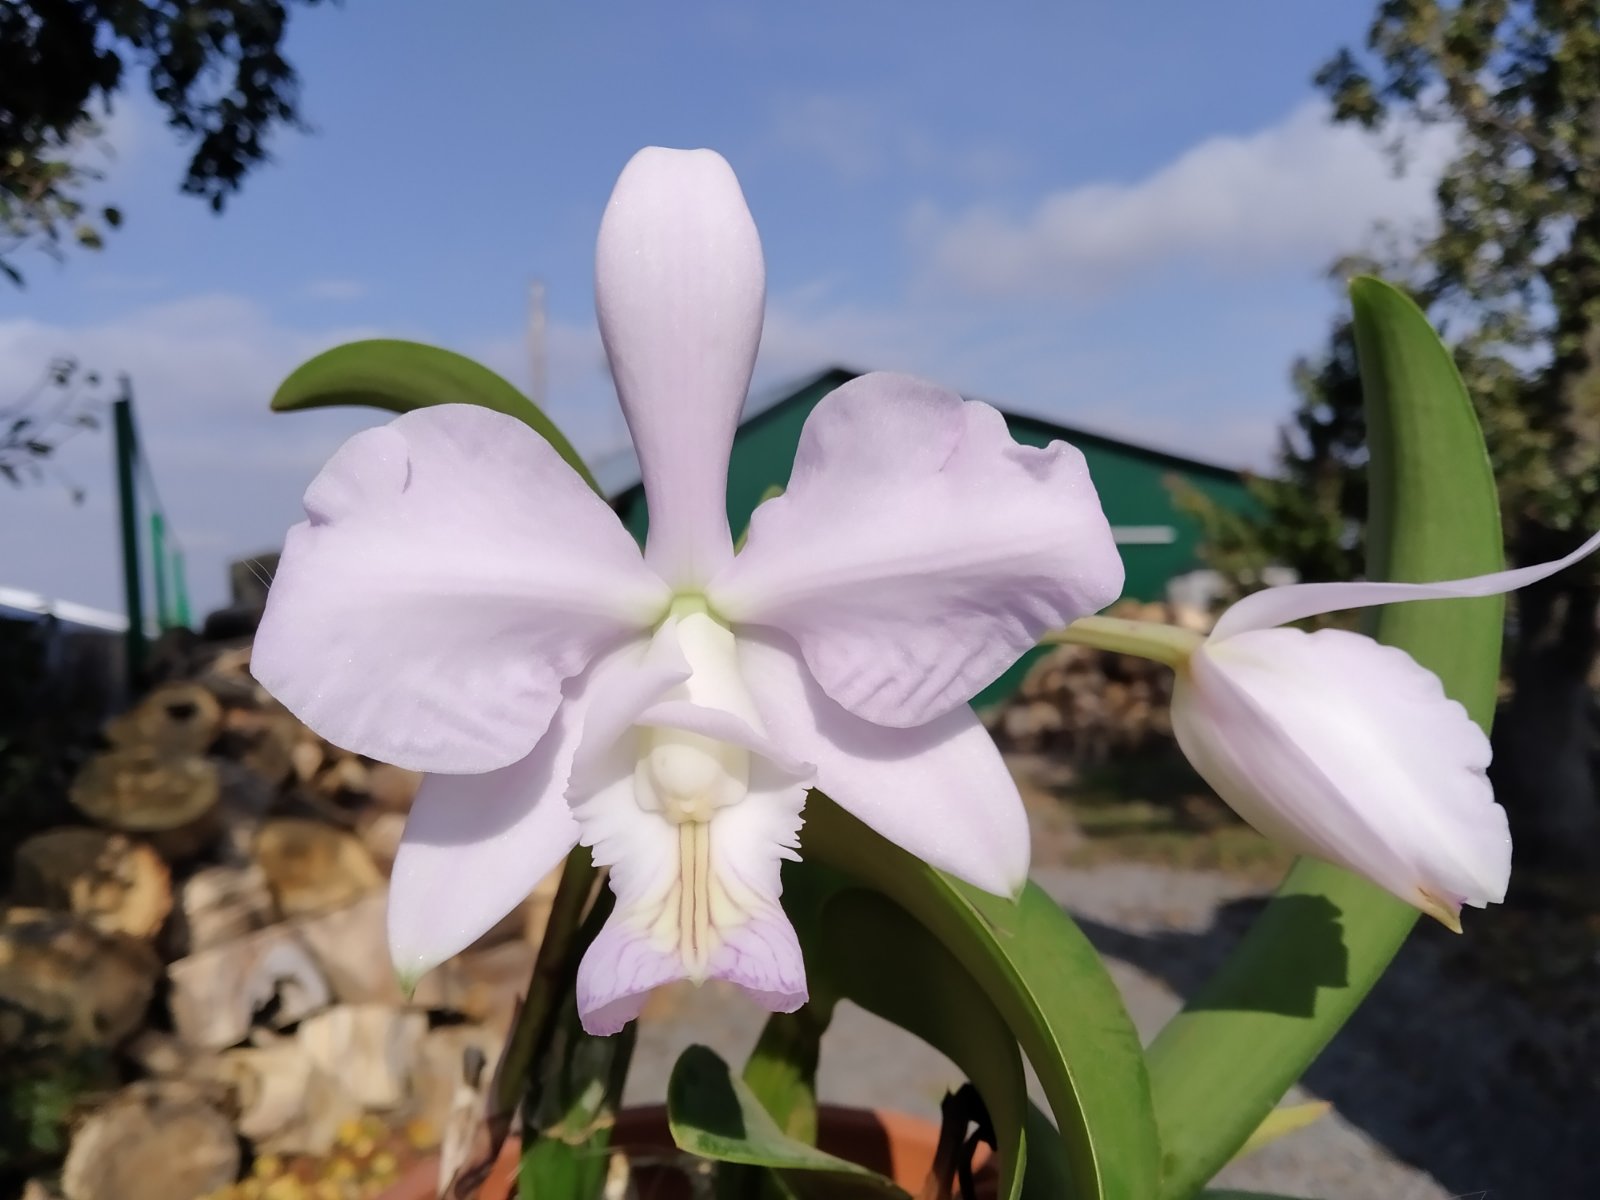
1115, 214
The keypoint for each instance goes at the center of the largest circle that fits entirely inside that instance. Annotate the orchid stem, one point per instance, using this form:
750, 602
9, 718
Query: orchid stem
1169, 644
547, 985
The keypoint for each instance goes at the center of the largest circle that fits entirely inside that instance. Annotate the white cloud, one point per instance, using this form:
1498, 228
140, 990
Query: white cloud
336, 289
1294, 194
230, 471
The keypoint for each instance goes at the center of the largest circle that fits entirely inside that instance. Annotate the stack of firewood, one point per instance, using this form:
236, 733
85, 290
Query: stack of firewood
1089, 706
211, 936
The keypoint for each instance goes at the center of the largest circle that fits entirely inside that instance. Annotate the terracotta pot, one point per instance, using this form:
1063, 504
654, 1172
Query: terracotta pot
891, 1143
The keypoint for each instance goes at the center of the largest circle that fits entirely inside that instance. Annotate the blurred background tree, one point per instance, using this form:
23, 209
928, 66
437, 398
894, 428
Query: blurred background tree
1510, 273
215, 67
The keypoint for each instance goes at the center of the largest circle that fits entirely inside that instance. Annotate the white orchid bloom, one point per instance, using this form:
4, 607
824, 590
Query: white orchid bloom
460, 603
1339, 747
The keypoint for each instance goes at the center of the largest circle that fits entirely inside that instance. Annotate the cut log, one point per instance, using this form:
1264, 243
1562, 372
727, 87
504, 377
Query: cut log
267, 1085
161, 1054
263, 740
380, 833
444, 1071
173, 720
156, 1140
306, 759
217, 905
345, 776
392, 788
371, 1049
351, 947
116, 884
172, 800
480, 984
65, 984
267, 977
313, 867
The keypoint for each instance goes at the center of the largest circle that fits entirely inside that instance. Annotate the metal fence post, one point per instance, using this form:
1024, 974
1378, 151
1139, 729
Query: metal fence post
128, 506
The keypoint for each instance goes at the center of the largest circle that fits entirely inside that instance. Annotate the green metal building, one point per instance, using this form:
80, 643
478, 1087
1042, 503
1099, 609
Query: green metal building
1158, 541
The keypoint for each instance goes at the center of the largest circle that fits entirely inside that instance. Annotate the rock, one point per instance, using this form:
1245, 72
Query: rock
371, 1049
118, 885
64, 983
156, 1140
268, 977
217, 905
174, 720
312, 866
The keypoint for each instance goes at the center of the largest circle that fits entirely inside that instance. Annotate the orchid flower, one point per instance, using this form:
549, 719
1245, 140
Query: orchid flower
1339, 747
460, 603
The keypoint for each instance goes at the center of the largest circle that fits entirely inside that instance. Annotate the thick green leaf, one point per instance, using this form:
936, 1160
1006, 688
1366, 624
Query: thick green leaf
1221, 1065
874, 953
713, 1115
401, 376
1049, 985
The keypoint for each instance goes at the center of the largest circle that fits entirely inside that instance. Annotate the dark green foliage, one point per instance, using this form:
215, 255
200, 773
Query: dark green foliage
215, 67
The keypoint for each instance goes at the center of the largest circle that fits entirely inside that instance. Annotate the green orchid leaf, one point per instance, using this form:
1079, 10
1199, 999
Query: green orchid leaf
1047, 983
1225, 1061
875, 954
714, 1115
401, 376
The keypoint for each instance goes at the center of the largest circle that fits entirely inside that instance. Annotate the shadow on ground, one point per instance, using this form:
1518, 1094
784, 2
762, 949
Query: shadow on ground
1452, 1074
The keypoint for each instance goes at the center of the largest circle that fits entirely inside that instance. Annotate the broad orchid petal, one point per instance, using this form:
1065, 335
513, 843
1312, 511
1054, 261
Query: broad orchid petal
697, 900
452, 573
940, 790
679, 287
1345, 749
474, 847
1297, 601
919, 550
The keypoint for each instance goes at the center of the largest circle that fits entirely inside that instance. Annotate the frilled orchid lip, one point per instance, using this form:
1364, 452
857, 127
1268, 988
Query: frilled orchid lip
460, 603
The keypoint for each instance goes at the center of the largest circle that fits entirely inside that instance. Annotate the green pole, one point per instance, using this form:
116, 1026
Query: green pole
128, 506
158, 565
180, 590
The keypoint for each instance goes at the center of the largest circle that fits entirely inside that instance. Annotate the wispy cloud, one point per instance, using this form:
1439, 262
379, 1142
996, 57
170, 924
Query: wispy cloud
1295, 193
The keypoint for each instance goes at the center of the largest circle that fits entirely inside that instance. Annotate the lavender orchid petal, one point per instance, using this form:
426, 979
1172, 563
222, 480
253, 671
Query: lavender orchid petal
474, 847
679, 288
452, 573
1297, 601
919, 550
939, 790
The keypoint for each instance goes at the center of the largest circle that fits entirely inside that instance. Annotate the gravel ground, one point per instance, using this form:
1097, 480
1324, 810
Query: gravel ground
1439, 1084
